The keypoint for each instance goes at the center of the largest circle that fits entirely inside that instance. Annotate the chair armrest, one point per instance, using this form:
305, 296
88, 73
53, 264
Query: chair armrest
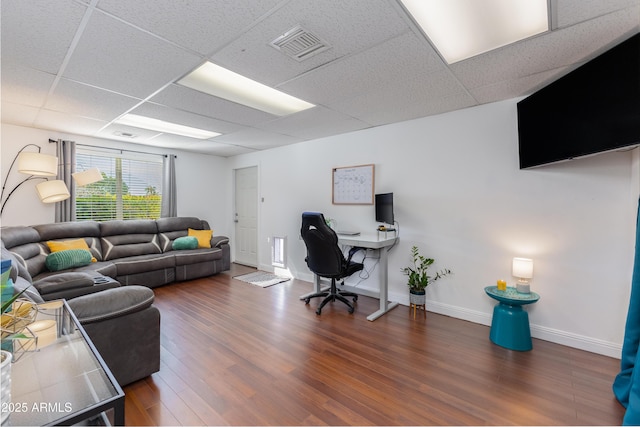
218, 241
62, 282
353, 251
111, 303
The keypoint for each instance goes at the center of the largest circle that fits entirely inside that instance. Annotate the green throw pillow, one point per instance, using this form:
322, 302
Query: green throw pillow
186, 242
69, 258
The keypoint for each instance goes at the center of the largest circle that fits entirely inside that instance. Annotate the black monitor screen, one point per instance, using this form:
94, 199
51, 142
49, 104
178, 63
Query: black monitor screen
384, 208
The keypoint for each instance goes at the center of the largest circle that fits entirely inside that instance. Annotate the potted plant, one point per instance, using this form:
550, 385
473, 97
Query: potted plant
419, 277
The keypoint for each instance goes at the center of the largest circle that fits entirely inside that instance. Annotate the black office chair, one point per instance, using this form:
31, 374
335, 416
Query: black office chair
325, 258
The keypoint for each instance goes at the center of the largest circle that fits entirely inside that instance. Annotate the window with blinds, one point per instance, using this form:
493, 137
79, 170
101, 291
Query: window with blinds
131, 187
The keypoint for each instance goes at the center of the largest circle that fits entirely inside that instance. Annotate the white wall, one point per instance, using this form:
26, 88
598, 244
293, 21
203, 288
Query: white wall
460, 196
202, 180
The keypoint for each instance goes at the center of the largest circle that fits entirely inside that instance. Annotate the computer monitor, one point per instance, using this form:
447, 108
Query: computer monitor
384, 208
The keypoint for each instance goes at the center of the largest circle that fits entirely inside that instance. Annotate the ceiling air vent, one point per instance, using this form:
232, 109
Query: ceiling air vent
299, 44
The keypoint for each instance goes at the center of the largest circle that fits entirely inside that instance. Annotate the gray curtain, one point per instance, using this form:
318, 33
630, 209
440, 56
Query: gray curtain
66, 152
169, 206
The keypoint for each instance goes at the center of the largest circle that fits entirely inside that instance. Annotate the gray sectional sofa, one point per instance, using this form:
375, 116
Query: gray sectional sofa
111, 297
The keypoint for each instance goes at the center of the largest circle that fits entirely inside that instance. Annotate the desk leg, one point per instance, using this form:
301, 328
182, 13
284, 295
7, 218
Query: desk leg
385, 305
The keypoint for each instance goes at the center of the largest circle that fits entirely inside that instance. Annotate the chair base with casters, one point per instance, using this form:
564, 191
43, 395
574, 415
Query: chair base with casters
331, 295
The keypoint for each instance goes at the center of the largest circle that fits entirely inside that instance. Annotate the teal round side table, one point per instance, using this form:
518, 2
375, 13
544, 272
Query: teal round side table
510, 323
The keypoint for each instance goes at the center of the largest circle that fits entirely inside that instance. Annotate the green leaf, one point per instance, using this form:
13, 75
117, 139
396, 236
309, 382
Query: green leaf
7, 304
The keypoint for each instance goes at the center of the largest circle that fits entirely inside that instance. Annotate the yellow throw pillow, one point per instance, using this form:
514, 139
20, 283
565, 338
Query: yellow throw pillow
203, 236
65, 245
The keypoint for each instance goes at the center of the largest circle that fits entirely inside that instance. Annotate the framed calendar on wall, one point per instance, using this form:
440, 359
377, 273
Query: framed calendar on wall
353, 185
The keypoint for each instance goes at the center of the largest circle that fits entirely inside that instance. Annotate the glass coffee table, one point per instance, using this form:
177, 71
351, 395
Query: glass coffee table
65, 381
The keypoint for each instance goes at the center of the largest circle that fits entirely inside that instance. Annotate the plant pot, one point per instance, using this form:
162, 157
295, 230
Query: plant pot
417, 297
5, 384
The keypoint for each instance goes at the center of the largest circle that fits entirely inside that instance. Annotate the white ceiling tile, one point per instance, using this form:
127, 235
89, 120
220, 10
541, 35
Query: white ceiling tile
257, 139
571, 12
69, 123
202, 26
204, 146
117, 57
507, 89
367, 71
315, 123
88, 101
408, 99
25, 85
38, 34
18, 114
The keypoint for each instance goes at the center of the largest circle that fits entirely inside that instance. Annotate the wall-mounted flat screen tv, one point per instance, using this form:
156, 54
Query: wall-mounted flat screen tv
594, 108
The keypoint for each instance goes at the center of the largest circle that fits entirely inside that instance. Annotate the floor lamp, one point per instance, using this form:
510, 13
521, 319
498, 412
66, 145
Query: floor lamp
37, 166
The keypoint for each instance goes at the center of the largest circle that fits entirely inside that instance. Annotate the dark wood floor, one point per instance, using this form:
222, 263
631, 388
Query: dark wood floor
237, 354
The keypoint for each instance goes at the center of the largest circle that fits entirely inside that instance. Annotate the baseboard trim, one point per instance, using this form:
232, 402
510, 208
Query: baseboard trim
557, 336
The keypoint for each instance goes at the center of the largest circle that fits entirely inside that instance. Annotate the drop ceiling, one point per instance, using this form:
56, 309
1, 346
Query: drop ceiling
76, 66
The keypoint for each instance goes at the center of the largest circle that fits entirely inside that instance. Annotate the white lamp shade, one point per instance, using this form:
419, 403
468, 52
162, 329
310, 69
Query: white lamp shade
52, 191
87, 177
522, 268
38, 164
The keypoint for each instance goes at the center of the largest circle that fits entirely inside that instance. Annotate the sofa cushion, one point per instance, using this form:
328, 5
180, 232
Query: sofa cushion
111, 303
106, 268
69, 258
180, 224
203, 236
62, 282
185, 242
219, 241
18, 269
19, 235
197, 256
70, 285
143, 263
127, 238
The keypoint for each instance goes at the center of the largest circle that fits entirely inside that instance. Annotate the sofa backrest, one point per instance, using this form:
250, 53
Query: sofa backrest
125, 238
170, 229
24, 242
87, 230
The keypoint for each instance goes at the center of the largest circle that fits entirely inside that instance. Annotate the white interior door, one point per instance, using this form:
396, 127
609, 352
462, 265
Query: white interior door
246, 216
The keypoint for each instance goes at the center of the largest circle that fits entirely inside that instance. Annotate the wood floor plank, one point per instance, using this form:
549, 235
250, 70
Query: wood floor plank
237, 354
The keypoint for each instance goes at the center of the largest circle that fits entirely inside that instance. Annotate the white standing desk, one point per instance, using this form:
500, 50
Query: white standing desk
369, 241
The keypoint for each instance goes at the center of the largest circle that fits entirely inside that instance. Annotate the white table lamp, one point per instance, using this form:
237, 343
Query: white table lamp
522, 268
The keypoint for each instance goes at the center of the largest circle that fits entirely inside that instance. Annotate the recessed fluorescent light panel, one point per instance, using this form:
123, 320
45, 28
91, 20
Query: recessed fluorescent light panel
217, 81
165, 127
460, 29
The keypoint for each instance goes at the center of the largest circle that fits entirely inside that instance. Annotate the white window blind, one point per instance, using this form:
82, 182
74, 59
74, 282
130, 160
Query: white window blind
131, 187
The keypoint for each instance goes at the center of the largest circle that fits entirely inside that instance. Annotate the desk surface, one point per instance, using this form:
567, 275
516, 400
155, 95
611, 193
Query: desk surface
366, 240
